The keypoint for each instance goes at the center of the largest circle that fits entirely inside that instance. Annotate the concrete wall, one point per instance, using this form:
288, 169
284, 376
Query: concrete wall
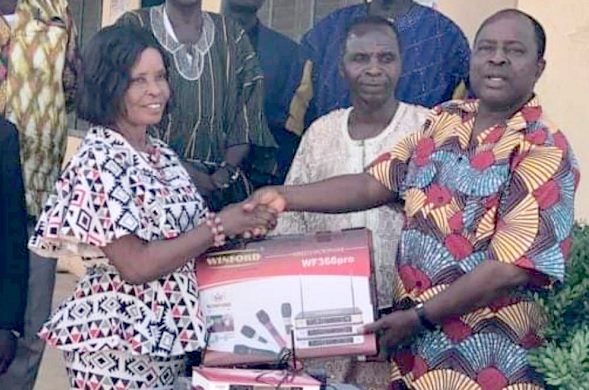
561, 89
211, 5
566, 80
112, 9
469, 14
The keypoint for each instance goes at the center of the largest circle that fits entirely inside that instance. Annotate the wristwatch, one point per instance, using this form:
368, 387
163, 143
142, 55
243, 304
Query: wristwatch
423, 320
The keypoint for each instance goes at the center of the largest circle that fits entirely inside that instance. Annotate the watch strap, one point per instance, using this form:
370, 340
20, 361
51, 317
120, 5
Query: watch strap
423, 320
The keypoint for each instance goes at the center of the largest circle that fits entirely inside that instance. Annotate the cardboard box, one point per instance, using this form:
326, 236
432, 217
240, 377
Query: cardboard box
207, 378
315, 290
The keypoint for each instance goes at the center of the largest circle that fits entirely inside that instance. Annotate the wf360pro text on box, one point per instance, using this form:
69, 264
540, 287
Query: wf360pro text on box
310, 292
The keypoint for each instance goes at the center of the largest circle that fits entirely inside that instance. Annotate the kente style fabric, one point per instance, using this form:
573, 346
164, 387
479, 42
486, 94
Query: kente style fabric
107, 191
39, 65
505, 195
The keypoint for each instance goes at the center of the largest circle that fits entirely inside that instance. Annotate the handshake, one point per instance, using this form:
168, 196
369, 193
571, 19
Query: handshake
255, 216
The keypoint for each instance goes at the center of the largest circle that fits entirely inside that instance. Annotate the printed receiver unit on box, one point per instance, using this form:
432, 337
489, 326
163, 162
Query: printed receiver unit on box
310, 292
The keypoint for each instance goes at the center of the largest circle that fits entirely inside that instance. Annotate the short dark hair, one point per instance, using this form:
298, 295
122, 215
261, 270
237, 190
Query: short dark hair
368, 21
107, 61
539, 32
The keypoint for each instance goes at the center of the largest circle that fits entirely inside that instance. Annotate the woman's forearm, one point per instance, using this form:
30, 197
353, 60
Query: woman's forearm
140, 262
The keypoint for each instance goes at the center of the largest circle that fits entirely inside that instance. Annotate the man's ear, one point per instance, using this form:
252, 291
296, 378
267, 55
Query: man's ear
541, 67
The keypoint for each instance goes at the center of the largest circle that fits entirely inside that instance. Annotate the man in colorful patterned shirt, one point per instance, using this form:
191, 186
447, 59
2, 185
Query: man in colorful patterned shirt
488, 188
39, 66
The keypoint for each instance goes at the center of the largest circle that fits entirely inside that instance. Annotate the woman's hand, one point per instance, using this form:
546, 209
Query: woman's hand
237, 220
271, 197
396, 328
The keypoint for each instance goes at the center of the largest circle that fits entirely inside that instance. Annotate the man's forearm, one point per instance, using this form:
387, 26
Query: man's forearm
489, 281
340, 194
234, 155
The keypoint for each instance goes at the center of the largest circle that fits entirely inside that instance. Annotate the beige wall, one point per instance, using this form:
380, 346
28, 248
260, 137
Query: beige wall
562, 87
211, 5
469, 14
566, 80
112, 9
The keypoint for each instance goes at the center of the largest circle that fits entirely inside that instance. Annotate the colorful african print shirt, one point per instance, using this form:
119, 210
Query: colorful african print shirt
40, 63
434, 51
505, 195
109, 190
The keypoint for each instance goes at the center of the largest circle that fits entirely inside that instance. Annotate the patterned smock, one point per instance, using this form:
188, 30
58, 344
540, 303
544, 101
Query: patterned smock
109, 190
506, 195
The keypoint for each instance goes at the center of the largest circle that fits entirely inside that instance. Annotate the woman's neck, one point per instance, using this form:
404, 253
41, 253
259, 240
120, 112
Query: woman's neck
135, 135
367, 121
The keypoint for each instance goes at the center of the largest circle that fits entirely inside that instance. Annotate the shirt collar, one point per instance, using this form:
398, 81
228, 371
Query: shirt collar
519, 120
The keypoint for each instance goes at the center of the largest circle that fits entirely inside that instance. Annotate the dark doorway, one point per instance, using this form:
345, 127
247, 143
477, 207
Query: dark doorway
151, 3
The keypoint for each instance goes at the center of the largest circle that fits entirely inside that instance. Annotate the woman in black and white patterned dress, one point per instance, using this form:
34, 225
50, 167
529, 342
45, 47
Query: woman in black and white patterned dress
126, 205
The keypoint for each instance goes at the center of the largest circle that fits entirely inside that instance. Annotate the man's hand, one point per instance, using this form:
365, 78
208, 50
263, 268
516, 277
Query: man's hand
221, 178
271, 197
236, 221
396, 328
7, 349
204, 183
